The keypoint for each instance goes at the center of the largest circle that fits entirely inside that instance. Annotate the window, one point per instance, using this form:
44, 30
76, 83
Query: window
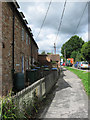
27, 64
29, 40
22, 33
33, 60
22, 64
26, 38
29, 60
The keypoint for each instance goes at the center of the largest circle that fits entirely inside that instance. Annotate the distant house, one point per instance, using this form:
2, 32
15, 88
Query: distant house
18, 49
55, 59
44, 60
50, 60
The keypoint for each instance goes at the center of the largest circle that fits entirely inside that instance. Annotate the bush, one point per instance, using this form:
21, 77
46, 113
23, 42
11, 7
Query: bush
8, 108
11, 109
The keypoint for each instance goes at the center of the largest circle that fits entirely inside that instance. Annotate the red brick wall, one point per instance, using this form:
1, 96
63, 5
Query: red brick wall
34, 51
0, 49
20, 49
42, 59
7, 50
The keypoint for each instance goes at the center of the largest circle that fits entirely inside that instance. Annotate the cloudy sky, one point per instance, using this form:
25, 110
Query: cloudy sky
35, 12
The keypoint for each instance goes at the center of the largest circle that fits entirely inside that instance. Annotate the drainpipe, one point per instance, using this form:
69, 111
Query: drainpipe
13, 45
31, 52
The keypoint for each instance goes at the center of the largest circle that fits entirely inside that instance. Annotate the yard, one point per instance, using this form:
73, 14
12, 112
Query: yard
84, 76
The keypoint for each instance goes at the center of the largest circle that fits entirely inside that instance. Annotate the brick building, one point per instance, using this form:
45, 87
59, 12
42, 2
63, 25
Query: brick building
55, 58
49, 59
18, 50
44, 60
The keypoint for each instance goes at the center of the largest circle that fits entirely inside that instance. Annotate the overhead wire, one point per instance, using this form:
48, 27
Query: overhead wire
44, 19
61, 20
81, 18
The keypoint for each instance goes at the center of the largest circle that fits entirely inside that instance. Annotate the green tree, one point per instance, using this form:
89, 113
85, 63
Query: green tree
43, 53
79, 57
73, 44
49, 53
73, 55
85, 51
61, 57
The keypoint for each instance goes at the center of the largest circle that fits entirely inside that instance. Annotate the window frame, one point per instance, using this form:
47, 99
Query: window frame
23, 34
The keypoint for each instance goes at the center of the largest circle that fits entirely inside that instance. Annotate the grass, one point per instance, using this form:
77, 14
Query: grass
84, 76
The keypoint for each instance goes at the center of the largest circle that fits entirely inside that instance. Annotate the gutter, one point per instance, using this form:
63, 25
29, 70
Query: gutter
31, 53
13, 44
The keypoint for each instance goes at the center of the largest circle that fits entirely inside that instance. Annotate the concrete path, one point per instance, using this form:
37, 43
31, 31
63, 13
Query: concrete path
67, 100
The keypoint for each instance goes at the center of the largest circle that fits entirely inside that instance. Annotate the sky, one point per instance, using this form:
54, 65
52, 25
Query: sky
35, 12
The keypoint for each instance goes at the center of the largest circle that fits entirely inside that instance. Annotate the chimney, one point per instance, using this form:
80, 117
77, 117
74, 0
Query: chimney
54, 48
21, 13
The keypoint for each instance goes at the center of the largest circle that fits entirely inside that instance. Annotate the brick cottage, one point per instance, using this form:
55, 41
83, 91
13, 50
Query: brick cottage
18, 49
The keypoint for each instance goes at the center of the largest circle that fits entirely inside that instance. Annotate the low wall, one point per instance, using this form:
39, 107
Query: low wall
42, 88
25, 98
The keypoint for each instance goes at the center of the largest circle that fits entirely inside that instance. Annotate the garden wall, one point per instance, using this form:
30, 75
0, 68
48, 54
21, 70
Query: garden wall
42, 87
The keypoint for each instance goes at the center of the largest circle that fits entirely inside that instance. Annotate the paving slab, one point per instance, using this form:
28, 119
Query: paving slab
67, 100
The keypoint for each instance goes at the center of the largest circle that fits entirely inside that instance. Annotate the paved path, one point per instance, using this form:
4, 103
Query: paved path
67, 100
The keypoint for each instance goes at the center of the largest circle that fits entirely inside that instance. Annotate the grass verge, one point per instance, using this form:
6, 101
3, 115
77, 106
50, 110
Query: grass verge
84, 76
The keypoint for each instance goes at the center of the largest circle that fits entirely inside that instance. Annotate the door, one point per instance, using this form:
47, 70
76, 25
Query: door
22, 64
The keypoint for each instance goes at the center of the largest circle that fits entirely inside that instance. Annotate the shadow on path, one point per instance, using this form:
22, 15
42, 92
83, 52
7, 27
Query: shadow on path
45, 104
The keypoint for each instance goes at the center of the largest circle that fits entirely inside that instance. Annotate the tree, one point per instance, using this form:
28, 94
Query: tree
85, 51
49, 53
73, 55
73, 44
79, 57
61, 57
43, 53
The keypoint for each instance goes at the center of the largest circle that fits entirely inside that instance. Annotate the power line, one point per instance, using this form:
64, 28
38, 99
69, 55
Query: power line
81, 17
61, 20
44, 18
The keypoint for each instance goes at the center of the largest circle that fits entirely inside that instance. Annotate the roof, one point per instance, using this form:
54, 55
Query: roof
42, 55
54, 57
21, 15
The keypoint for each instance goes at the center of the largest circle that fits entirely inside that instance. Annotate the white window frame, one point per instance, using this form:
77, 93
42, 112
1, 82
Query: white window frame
26, 38
29, 40
22, 64
27, 64
22, 33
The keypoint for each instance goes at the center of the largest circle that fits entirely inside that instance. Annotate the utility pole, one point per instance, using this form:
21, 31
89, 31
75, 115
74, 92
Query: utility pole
55, 48
65, 54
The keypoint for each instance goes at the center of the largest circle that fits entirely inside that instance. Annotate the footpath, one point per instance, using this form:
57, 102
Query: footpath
67, 99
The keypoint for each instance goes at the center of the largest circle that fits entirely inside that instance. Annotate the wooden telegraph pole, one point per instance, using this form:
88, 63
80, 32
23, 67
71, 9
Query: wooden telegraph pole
55, 48
65, 54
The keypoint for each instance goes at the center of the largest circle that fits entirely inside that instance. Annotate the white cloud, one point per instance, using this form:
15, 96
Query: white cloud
35, 12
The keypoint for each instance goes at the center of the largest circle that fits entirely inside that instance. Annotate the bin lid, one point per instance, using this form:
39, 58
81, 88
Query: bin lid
54, 68
42, 66
37, 67
34, 69
46, 69
45, 66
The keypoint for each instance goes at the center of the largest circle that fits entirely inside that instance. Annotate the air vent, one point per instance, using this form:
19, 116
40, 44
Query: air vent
25, 21
16, 4
29, 29
22, 15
